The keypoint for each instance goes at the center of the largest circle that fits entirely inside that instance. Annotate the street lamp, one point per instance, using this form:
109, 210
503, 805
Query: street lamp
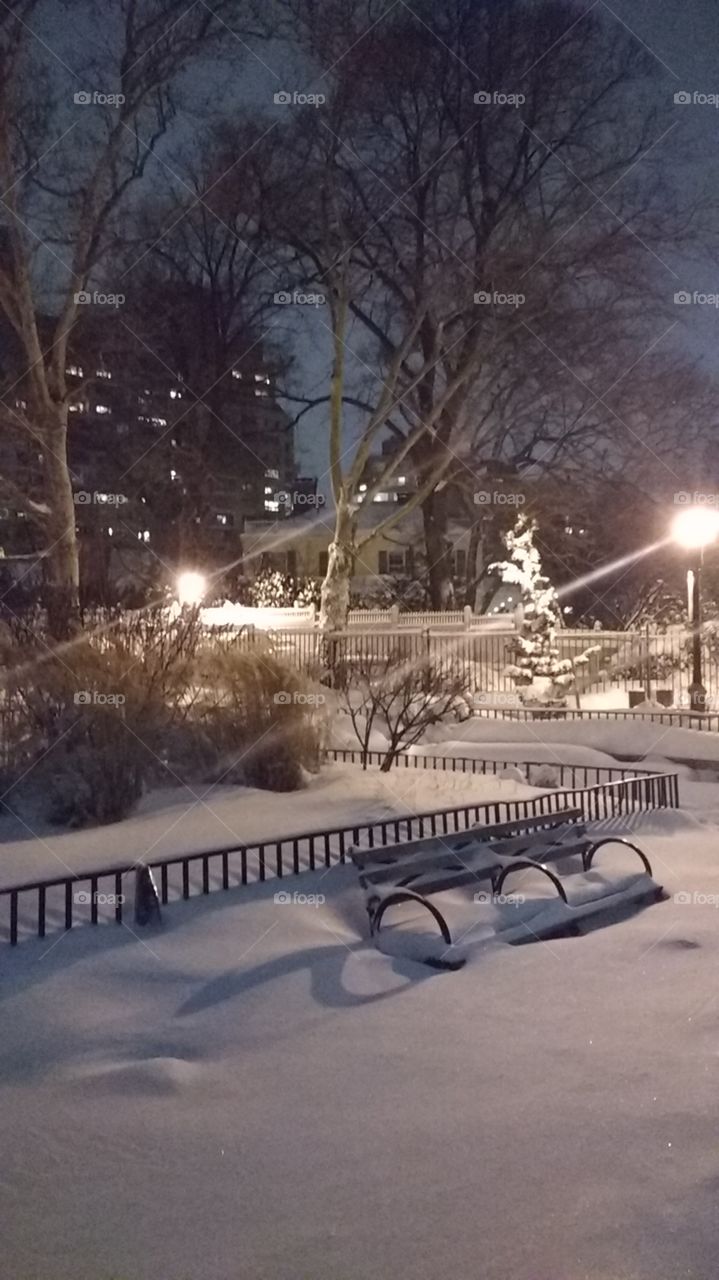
191, 588
694, 529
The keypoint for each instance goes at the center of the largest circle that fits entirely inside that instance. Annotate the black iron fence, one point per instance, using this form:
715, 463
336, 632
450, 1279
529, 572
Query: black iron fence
563, 775
707, 720
41, 907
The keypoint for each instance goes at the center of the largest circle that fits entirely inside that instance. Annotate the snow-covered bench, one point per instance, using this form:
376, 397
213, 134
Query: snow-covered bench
412, 872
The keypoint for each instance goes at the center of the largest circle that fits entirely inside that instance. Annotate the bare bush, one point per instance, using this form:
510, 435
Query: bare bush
403, 698
265, 722
90, 719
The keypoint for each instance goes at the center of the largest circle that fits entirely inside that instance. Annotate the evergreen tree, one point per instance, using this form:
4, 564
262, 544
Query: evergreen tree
536, 659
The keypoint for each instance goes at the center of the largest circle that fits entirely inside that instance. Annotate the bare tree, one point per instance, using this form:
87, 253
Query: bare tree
502, 210
68, 167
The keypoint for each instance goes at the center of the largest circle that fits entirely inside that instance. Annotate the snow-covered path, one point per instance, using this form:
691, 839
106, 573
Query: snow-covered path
253, 1093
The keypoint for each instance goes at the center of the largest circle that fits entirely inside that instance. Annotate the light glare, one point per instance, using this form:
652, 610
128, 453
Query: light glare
696, 527
191, 588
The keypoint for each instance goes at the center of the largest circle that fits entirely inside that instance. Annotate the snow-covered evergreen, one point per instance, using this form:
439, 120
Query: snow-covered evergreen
537, 665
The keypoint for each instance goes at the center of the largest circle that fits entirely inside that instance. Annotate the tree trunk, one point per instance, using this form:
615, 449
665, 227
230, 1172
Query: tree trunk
439, 558
471, 577
335, 597
63, 573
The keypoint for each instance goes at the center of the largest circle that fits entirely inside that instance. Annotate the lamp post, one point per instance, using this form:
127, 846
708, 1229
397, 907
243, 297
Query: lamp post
694, 529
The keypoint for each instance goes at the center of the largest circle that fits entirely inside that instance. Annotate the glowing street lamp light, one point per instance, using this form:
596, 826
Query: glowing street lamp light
191, 588
694, 529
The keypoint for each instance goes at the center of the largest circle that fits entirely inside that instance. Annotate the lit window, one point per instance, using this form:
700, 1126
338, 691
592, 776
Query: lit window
268, 489
102, 408
271, 504
272, 474
175, 395
383, 497
159, 422
173, 473
75, 371
401, 479
363, 488
103, 373
21, 404
143, 535
236, 373
110, 531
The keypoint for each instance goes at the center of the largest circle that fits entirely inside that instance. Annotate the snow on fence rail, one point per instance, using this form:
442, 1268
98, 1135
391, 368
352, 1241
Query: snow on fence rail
37, 908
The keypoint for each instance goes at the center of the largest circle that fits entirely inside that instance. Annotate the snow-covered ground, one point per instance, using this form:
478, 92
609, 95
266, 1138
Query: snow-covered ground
182, 820
601, 742
640, 740
252, 1092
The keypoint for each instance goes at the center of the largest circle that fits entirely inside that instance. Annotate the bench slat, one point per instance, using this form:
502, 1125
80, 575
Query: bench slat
473, 835
475, 862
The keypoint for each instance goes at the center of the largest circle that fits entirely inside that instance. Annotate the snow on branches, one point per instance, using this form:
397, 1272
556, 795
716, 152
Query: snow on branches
537, 664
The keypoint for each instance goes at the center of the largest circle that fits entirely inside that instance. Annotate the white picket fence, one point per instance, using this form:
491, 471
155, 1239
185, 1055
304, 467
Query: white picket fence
276, 619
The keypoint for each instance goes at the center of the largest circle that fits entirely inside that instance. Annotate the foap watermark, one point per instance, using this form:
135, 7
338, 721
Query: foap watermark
92, 698
685, 499
497, 498
498, 699
496, 98
485, 896
287, 699
287, 499
87, 98
83, 897
295, 99
285, 898
84, 298
493, 298
698, 700
83, 498
685, 899
298, 299
696, 299
685, 98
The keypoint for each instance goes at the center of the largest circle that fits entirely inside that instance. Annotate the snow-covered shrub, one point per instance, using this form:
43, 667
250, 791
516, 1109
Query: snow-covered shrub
544, 775
512, 773
537, 666
274, 590
99, 781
